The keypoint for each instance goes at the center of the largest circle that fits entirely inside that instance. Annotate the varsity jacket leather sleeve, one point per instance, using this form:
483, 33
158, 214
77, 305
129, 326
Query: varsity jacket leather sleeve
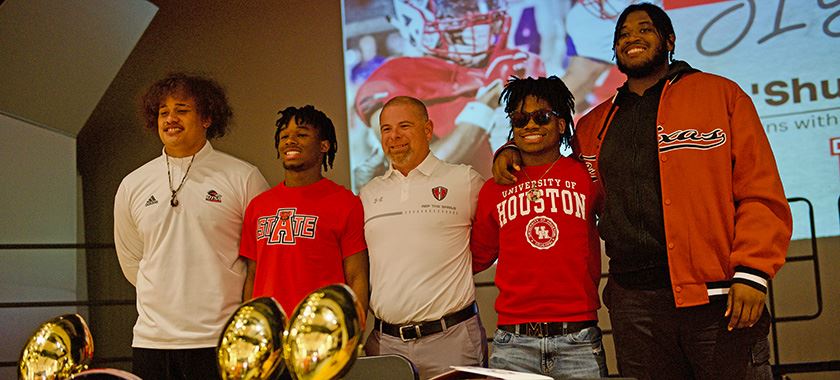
726, 215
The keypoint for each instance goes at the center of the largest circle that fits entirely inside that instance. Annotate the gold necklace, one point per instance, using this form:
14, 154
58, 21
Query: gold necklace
174, 201
533, 193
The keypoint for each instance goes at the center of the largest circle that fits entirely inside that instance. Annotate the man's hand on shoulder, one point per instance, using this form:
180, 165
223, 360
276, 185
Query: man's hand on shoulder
507, 162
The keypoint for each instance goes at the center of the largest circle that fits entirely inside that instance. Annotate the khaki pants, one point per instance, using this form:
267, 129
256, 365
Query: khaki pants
462, 344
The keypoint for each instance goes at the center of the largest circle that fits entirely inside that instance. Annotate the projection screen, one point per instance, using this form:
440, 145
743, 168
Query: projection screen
784, 54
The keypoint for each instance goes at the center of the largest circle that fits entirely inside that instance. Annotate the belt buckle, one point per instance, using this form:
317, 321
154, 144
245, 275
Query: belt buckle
416, 330
537, 328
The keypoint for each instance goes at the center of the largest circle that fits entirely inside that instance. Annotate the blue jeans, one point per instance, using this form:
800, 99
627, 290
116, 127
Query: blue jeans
577, 355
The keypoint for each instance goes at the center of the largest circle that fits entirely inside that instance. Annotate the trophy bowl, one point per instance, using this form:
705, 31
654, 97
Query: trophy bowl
251, 344
59, 348
324, 334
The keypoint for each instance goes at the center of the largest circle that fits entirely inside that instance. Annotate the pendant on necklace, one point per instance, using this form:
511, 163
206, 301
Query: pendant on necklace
173, 202
534, 194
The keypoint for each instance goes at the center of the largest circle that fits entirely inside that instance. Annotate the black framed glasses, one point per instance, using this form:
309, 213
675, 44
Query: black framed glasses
541, 117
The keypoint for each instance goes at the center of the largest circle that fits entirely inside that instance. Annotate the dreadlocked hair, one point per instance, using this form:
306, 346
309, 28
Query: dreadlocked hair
551, 89
309, 115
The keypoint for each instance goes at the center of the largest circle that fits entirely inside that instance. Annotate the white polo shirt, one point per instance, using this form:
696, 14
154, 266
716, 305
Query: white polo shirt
417, 229
184, 260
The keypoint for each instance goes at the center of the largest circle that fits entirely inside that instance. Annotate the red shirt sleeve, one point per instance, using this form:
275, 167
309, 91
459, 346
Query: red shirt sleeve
352, 239
484, 240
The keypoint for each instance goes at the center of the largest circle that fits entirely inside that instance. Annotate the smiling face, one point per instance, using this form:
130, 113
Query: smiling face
180, 127
640, 50
406, 135
301, 147
539, 144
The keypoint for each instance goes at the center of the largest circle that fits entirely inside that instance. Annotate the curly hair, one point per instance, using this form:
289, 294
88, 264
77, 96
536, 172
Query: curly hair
210, 101
309, 115
551, 89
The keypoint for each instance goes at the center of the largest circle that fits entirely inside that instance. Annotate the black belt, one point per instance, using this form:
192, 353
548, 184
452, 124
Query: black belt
545, 329
415, 330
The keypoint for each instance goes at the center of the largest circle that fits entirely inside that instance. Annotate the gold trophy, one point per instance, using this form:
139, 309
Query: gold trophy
324, 334
251, 345
59, 348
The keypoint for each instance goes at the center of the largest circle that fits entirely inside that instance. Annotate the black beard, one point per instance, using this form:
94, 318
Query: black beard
647, 68
293, 167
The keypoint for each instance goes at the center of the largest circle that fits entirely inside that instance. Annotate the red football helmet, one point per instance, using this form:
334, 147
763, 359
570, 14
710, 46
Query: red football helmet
610, 9
605, 9
461, 31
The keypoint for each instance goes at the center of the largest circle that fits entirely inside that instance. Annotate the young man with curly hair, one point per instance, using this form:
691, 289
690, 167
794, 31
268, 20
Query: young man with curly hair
177, 221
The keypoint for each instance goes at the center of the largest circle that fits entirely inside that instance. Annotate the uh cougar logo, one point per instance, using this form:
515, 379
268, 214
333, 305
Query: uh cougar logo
542, 232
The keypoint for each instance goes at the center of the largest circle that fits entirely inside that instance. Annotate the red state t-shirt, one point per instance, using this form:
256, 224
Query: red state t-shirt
299, 238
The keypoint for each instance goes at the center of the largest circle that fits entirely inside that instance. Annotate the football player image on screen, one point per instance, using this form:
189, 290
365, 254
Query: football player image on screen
590, 71
455, 60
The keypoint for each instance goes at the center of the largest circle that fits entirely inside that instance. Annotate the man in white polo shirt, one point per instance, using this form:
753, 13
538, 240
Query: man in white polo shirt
177, 221
418, 217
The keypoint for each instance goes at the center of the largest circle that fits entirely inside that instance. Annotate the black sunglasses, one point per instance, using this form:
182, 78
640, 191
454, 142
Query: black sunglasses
541, 117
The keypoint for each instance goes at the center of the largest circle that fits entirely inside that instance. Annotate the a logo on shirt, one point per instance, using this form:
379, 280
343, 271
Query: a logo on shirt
213, 196
516, 202
440, 192
286, 226
542, 232
151, 201
690, 139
